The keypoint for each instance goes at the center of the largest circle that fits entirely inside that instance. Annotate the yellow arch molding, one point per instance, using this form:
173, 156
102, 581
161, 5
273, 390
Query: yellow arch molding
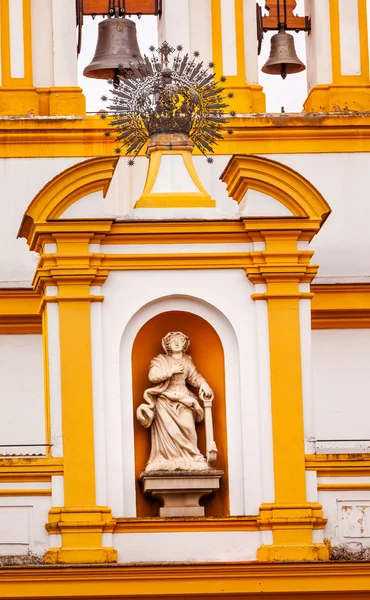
66, 188
244, 172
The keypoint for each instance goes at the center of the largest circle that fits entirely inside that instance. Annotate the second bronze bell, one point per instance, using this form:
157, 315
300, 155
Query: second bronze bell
117, 45
283, 59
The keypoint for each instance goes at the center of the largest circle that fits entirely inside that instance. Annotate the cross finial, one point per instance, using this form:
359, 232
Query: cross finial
165, 50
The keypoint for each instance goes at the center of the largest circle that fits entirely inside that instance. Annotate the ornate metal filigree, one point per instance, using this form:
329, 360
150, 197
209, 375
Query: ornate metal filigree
178, 95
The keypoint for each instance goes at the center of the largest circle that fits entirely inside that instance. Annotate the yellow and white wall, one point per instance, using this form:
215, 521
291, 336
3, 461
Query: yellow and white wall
88, 271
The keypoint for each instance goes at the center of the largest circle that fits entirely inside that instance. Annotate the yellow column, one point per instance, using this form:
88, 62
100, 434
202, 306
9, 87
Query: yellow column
80, 522
248, 96
18, 96
21, 28
348, 87
291, 518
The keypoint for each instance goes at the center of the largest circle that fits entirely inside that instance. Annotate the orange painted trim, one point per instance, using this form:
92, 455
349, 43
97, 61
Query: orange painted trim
157, 525
248, 172
66, 188
17, 470
339, 465
227, 580
19, 311
341, 306
23, 492
343, 487
43, 137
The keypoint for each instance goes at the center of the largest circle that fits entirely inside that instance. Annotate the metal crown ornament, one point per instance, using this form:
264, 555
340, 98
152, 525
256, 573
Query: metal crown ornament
181, 96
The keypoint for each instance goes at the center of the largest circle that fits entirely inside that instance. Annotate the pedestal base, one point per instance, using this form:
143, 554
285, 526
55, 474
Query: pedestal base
180, 491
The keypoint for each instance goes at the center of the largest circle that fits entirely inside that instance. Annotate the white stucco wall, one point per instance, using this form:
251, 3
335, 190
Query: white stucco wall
22, 520
22, 394
21, 179
341, 383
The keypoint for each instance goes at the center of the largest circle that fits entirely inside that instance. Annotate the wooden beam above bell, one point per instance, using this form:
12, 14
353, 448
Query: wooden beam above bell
131, 7
293, 22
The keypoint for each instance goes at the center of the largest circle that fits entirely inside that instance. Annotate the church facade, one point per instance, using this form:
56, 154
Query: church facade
260, 261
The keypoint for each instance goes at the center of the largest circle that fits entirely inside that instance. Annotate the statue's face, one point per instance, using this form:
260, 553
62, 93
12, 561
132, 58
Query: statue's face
177, 343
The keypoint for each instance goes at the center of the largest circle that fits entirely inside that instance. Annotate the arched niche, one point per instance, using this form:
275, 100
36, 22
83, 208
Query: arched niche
207, 352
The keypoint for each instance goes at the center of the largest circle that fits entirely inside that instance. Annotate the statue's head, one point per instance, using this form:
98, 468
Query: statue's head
175, 341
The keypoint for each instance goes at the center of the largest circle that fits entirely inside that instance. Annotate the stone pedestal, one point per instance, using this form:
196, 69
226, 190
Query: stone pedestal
180, 491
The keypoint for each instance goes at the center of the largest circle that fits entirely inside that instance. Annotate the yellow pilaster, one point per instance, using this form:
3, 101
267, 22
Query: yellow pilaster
281, 267
80, 522
248, 97
344, 92
18, 95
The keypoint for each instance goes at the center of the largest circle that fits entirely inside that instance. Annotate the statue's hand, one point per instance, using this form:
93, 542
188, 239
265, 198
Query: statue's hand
179, 368
205, 391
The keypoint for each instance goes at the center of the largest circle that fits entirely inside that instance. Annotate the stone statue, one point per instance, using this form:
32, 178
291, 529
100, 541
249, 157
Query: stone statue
171, 410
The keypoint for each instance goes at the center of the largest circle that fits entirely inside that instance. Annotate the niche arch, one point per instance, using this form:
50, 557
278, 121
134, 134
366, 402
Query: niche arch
225, 332
207, 352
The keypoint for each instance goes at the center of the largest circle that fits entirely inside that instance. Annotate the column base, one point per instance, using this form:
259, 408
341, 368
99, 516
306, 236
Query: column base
81, 529
338, 98
292, 527
293, 553
61, 101
34, 102
247, 98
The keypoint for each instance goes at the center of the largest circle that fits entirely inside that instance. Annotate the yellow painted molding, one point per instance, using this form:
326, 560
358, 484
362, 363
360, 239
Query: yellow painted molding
343, 487
81, 528
333, 318
287, 551
244, 172
32, 102
334, 306
19, 311
66, 188
157, 525
362, 77
313, 581
341, 306
310, 132
20, 324
106, 231
150, 199
30, 492
61, 101
281, 266
339, 465
19, 470
292, 526
248, 98
339, 98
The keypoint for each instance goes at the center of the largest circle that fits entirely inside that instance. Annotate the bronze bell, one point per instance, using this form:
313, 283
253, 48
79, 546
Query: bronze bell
116, 50
283, 59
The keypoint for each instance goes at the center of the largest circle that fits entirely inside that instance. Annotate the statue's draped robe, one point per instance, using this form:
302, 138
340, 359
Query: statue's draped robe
171, 410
